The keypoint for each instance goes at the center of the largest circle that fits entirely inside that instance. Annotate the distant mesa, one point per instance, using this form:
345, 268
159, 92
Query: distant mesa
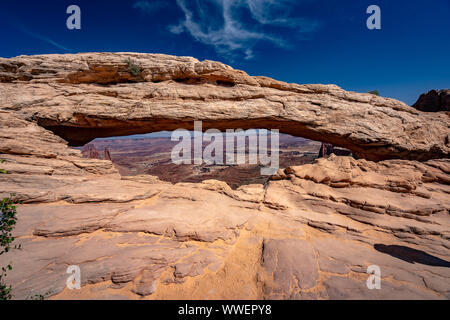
328, 149
434, 101
90, 151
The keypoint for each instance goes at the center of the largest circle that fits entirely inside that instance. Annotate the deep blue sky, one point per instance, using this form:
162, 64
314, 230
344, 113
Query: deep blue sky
302, 41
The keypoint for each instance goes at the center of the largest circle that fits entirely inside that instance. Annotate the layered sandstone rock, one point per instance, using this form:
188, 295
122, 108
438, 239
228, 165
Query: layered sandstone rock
310, 233
81, 97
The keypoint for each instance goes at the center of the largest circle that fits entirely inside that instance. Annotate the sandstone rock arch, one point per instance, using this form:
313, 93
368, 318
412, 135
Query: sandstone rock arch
85, 96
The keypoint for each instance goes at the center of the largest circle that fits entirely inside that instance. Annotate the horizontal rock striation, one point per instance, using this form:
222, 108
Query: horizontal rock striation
81, 97
311, 233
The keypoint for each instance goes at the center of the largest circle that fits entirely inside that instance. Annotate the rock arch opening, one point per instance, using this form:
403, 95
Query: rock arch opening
151, 154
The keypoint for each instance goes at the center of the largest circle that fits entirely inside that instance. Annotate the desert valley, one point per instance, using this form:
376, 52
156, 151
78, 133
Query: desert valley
144, 155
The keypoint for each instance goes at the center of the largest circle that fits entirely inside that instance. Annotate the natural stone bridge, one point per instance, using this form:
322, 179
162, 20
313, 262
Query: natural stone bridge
309, 233
85, 96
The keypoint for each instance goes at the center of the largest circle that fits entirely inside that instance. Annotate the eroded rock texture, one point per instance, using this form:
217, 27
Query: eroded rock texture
310, 233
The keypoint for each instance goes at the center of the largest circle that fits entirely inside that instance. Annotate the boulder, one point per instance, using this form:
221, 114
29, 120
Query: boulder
434, 101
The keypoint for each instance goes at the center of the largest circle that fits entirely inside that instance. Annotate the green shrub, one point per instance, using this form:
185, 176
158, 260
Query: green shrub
375, 92
133, 68
7, 222
5, 290
2, 170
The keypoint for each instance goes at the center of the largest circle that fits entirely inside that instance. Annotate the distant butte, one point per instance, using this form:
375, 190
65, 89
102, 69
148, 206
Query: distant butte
434, 101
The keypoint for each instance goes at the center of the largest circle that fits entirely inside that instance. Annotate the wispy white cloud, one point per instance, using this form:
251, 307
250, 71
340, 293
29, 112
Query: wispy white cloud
149, 7
44, 38
218, 23
276, 12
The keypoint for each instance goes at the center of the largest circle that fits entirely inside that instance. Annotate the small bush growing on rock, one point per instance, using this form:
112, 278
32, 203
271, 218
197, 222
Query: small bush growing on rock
133, 68
2, 171
7, 222
375, 92
39, 296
